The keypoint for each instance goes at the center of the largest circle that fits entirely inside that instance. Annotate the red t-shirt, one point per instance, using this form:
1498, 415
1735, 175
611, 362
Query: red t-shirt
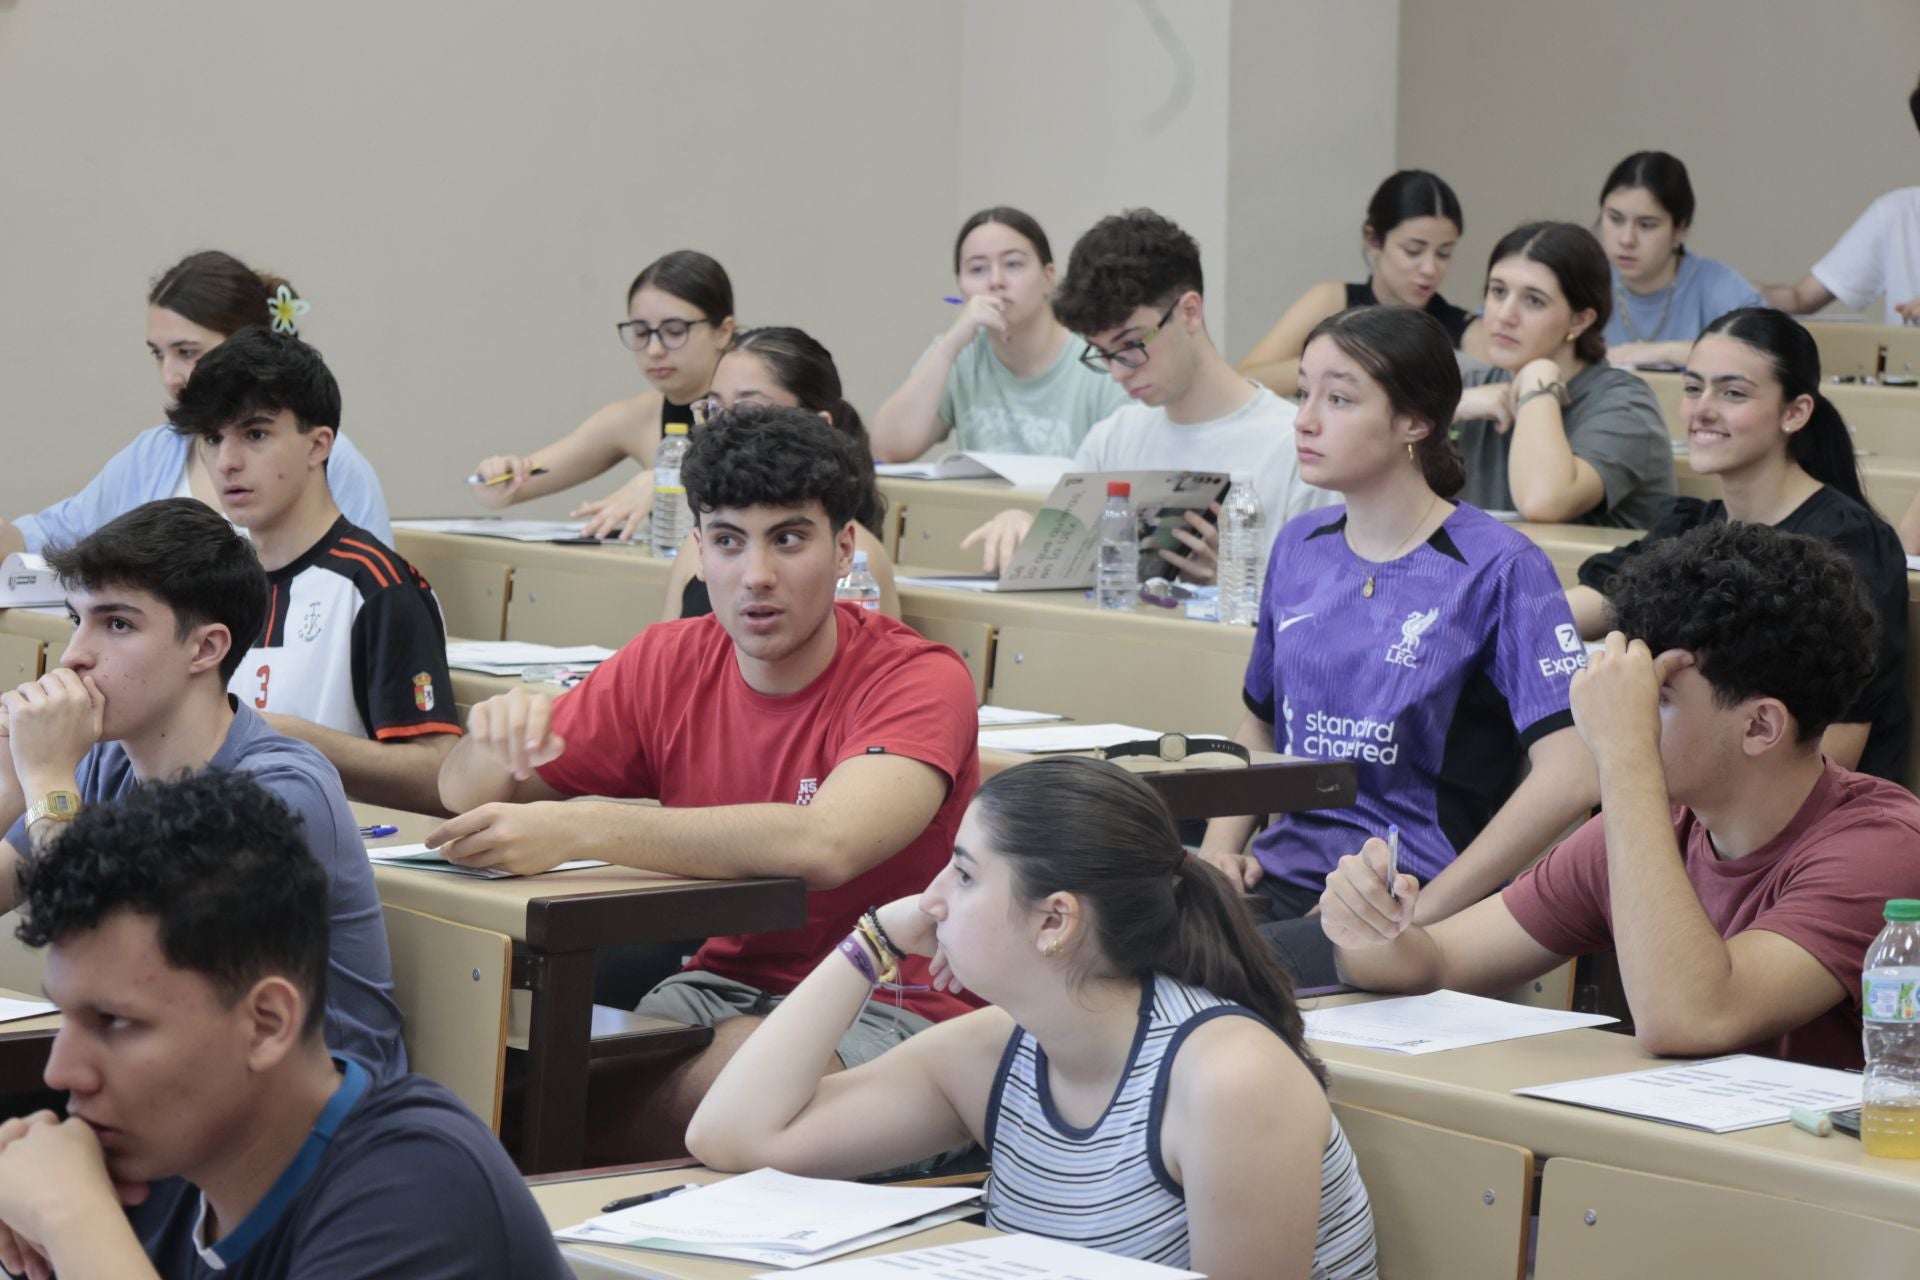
1822, 884
670, 718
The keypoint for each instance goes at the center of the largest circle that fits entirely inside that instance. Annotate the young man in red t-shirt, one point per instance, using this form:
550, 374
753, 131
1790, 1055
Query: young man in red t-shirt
1738, 875
784, 735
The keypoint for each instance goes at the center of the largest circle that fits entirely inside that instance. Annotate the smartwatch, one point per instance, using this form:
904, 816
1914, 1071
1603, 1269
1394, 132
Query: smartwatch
1173, 748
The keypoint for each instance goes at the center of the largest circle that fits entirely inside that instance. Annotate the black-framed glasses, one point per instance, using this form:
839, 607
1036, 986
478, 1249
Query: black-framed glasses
1128, 355
636, 334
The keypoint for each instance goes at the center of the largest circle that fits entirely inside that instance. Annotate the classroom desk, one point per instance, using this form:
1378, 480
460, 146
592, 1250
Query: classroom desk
24, 1046
1569, 545
567, 1199
558, 922
934, 515
31, 640
1471, 1090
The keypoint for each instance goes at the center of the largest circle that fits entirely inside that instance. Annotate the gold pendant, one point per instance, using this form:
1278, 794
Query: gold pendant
1367, 590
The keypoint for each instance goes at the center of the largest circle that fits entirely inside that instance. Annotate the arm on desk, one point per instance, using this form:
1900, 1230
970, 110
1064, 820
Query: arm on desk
401, 773
1225, 843
1798, 299
508, 738
868, 809
1560, 788
627, 428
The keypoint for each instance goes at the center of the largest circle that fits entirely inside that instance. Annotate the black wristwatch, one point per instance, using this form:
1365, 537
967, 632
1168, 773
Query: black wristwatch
1175, 747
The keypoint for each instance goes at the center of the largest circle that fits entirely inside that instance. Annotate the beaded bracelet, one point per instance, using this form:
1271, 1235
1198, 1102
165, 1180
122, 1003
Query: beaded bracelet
888, 962
872, 917
857, 956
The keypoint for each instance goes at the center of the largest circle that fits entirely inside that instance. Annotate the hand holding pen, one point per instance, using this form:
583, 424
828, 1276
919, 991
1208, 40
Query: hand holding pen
497, 478
1369, 900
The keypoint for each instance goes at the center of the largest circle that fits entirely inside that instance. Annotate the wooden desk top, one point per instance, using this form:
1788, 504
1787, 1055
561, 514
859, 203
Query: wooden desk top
568, 1200
1471, 1090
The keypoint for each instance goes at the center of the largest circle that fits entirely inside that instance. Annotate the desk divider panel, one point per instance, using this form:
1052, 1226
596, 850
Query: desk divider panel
973, 641
450, 981
1598, 1222
22, 658
1110, 678
930, 536
20, 965
472, 594
568, 607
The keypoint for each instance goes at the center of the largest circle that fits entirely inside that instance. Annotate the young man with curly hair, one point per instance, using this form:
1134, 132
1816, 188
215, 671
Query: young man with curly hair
209, 1131
1738, 875
1134, 291
783, 735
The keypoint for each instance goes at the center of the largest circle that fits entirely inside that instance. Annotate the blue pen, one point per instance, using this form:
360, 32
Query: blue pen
955, 302
377, 831
1393, 859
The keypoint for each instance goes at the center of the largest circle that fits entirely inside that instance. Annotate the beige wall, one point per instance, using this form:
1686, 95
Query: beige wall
1791, 115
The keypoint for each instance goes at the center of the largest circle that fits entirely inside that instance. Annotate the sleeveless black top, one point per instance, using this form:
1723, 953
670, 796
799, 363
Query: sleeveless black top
1451, 318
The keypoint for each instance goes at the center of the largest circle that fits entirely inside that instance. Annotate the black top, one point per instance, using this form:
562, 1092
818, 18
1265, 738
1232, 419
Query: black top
694, 600
1875, 550
1451, 318
671, 412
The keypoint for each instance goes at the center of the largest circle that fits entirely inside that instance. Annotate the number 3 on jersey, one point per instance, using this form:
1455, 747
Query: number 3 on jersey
260, 698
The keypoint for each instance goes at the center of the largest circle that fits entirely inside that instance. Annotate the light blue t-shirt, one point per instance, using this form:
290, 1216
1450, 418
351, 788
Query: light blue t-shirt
151, 467
991, 410
1702, 291
362, 1020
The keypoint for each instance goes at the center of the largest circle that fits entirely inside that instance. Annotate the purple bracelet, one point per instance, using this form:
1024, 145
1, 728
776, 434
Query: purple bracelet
857, 956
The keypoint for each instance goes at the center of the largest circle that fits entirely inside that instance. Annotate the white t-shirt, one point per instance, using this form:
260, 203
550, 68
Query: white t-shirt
1879, 256
1256, 438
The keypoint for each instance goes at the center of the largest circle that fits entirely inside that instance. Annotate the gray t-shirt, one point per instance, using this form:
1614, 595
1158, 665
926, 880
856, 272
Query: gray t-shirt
991, 410
1612, 422
362, 1021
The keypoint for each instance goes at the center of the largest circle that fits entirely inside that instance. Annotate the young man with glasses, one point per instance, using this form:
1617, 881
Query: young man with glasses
1135, 293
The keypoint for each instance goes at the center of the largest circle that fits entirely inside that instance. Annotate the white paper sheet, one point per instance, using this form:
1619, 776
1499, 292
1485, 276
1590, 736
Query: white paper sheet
951, 581
1720, 1095
12, 1010
1013, 1257
513, 530
1437, 1021
589, 1233
421, 858
1022, 470
511, 657
28, 581
1065, 737
991, 715
1913, 562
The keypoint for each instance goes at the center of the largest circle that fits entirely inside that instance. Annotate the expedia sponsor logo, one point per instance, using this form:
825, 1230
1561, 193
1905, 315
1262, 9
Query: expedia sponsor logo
1332, 737
1552, 668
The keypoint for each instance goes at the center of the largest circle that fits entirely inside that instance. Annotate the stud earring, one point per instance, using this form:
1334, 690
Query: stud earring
1051, 949
1410, 458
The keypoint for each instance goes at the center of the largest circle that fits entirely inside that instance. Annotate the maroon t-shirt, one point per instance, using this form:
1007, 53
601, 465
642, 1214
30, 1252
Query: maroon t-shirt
1822, 884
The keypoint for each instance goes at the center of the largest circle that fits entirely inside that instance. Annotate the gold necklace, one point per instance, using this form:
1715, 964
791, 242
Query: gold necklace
1367, 590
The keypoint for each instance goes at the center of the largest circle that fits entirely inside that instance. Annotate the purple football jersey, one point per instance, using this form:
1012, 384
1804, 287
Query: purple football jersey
1434, 686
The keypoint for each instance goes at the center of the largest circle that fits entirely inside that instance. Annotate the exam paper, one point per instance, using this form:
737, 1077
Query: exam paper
420, 858
514, 530
1439, 1020
591, 1233
1022, 470
511, 657
951, 581
1065, 737
12, 1010
1720, 1095
1013, 1257
991, 715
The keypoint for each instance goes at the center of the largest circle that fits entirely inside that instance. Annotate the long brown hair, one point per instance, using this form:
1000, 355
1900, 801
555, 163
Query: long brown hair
216, 291
1069, 824
1410, 355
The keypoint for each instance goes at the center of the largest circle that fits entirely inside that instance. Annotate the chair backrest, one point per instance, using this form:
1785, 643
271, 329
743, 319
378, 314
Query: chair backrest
1600, 1221
1445, 1204
451, 982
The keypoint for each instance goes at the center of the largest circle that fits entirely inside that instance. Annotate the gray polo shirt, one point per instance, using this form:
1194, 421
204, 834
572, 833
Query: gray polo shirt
1613, 422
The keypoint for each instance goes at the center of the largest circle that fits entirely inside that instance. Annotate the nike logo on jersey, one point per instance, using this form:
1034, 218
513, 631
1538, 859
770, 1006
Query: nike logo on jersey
1287, 622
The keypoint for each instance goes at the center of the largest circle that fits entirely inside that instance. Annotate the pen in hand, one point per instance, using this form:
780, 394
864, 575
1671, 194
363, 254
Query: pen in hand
502, 478
628, 1202
1393, 860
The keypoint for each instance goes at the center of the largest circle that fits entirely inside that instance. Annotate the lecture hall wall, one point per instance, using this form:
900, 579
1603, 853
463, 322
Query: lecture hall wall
463, 188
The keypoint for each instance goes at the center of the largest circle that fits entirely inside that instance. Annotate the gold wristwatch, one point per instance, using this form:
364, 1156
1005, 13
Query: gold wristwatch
61, 806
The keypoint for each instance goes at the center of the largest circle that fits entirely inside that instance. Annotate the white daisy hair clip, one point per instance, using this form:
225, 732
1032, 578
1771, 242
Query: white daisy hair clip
286, 310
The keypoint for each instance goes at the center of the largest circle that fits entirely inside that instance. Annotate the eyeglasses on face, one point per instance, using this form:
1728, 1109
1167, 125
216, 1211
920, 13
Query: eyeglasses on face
636, 334
1128, 355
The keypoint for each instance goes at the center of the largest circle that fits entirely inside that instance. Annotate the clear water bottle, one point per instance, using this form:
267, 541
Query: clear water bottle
1890, 1013
672, 521
1243, 552
1116, 576
859, 586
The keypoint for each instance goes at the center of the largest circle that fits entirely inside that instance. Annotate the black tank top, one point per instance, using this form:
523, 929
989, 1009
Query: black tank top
1451, 318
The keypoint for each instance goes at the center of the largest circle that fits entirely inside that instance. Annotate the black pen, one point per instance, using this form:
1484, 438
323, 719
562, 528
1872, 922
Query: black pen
615, 1206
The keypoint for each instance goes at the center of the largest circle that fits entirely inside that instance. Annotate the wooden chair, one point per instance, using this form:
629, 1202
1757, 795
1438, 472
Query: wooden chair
1445, 1204
1598, 1222
450, 981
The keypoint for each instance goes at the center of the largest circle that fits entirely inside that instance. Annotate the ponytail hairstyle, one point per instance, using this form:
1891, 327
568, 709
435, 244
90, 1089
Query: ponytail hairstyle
1661, 176
217, 291
806, 370
692, 277
1410, 355
1070, 824
1578, 263
1824, 447
1410, 194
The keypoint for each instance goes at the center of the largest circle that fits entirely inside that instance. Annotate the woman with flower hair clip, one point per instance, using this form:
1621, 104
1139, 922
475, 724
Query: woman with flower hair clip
193, 307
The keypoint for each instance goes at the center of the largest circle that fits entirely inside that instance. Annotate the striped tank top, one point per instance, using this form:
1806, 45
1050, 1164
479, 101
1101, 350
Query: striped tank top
1105, 1187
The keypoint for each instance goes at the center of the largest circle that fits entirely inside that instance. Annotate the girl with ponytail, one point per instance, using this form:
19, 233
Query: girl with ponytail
1755, 417
1140, 1082
192, 307
785, 366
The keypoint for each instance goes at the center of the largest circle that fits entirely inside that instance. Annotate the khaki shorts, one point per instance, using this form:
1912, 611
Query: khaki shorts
707, 999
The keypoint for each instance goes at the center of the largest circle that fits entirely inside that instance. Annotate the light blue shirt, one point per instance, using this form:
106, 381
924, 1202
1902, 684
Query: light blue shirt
1702, 291
150, 468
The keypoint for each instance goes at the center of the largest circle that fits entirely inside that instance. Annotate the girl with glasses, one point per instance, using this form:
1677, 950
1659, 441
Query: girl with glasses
679, 320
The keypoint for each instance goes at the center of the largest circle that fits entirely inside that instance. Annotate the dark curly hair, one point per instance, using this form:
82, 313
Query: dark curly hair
257, 371
806, 370
185, 553
756, 455
1124, 262
216, 862
1766, 614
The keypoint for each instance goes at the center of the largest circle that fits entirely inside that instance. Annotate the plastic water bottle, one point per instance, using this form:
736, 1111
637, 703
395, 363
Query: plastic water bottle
1890, 1010
1243, 552
859, 586
672, 521
1116, 580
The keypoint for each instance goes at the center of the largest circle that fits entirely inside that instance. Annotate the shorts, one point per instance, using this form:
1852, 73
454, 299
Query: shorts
707, 999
